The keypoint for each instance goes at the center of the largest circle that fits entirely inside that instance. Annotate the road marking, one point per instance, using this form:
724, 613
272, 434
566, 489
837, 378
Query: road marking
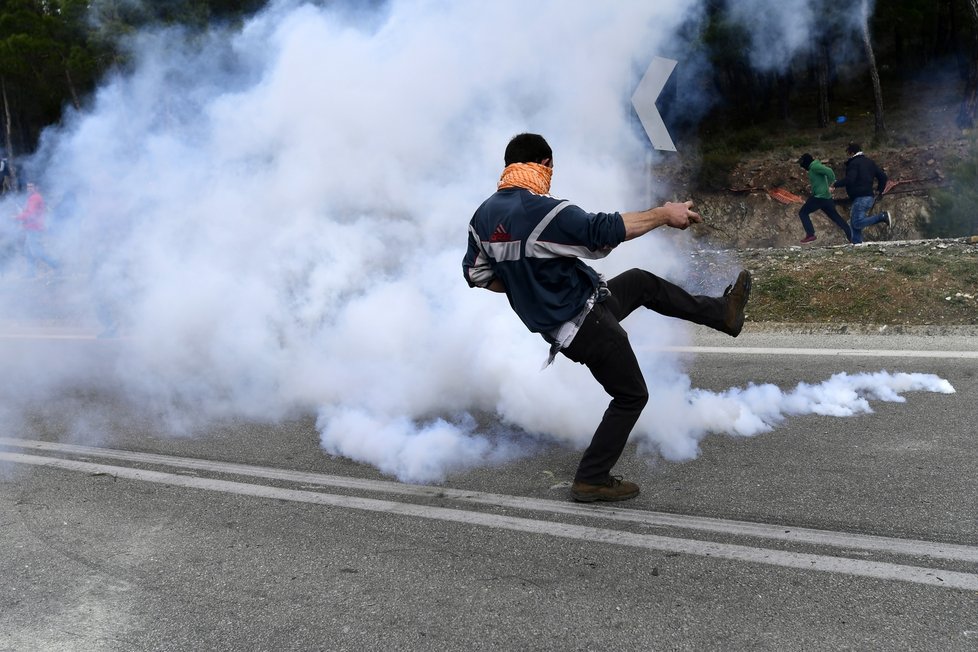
746, 350
39, 336
784, 533
851, 353
842, 565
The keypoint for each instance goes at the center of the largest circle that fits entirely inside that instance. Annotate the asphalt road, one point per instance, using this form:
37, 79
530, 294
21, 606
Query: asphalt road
825, 534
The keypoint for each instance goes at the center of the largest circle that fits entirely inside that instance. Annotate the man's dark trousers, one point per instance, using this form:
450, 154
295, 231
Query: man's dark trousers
827, 206
602, 345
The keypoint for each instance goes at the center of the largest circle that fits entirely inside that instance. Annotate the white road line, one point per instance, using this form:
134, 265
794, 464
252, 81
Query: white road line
851, 353
45, 336
784, 533
841, 565
870, 353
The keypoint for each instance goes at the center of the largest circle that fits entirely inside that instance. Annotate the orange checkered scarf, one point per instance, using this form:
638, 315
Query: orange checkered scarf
532, 176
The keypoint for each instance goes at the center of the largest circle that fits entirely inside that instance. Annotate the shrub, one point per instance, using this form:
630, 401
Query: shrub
715, 168
957, 204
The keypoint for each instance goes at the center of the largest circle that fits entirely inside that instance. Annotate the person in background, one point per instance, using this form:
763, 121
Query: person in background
5, 179
821, 177
529, 245
861, 171
31, 220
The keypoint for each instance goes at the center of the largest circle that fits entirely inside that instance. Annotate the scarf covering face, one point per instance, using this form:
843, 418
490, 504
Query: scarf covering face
532, 176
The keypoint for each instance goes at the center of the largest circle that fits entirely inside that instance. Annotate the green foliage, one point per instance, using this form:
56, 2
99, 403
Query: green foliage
834, 133
915, 268
968, 274
722, 152
716, 166
784, 287
754, 138
54, 52
34, 49
957, 204
121, 16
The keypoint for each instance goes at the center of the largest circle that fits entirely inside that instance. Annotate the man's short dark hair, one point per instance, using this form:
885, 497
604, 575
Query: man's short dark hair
854, 147
806, 160
527, 148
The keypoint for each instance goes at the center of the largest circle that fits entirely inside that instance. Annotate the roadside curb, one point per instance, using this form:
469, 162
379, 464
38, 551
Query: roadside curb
934, 243
919, 330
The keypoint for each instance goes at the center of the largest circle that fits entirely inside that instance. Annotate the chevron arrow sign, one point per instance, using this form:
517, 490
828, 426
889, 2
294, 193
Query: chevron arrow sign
644, 97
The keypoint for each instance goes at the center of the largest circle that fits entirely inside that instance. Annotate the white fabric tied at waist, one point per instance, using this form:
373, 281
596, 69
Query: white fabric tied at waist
563, 335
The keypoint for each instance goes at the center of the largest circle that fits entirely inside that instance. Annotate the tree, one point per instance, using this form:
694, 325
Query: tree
880, 125
821, 62
11, 172
957, 205
45, 62
969, 105
54, 52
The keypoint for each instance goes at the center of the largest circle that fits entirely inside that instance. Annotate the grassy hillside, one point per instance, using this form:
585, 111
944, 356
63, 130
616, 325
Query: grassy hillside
895, 284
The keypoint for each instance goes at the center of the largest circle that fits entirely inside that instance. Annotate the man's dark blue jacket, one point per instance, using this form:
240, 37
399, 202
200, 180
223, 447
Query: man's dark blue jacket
533, 244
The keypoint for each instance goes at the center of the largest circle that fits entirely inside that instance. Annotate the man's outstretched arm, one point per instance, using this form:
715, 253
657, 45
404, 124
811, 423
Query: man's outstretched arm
678, 215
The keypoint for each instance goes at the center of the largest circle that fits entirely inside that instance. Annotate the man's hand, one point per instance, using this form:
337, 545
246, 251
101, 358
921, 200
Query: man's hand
678, 215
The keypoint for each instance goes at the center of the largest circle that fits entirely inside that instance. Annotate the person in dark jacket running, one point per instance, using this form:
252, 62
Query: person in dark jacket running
861, 171
529, 245
821, 177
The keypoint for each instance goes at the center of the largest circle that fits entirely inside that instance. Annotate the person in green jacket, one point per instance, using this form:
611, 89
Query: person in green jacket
821, 177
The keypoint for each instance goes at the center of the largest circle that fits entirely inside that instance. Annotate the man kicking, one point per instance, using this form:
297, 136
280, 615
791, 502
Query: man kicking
529, 245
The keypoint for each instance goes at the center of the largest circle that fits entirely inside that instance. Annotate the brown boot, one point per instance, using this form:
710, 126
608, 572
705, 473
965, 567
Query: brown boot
736, 296
614, 488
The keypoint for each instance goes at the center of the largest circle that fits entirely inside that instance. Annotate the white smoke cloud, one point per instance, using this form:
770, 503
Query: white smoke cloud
745, 412
273, 220
778, 30
782, 32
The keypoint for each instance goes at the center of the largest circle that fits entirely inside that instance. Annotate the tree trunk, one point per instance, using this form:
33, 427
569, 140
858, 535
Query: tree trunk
880, 132
969, 105
822, 78
8, 132
945, 29
71, 89
787, 81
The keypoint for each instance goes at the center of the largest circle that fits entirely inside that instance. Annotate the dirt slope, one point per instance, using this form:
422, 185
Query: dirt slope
923, 145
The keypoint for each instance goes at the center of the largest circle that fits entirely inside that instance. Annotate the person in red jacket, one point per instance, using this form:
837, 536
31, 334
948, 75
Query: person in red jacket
31, 220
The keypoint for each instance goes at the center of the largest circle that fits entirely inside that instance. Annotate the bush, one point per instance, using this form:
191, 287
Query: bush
715, 169
725, 152
957, 205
